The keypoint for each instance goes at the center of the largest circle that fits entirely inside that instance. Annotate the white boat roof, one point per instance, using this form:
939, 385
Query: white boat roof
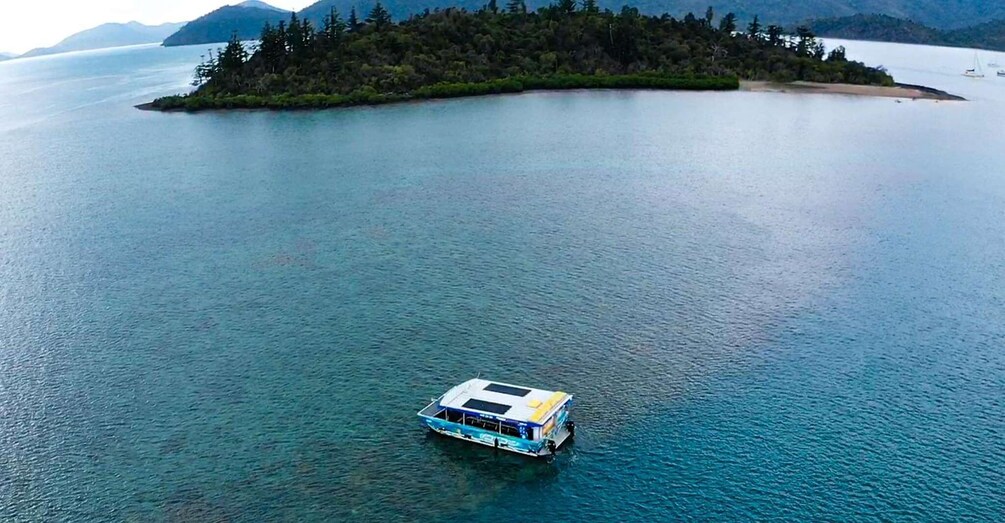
502, 400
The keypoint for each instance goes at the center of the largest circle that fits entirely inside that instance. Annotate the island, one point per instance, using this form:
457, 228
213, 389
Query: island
505, 49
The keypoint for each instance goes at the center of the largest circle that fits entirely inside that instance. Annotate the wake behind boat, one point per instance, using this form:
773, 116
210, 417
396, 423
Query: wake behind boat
527, 421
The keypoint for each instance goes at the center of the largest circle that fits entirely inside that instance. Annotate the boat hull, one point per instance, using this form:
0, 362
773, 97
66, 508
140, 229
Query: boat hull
533, 448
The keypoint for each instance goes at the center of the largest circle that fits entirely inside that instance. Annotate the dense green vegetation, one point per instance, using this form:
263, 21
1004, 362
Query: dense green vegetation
883, 28
456, 53
943, 14
447, 90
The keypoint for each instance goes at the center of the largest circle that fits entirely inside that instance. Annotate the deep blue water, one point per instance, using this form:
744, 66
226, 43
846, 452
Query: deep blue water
768, 306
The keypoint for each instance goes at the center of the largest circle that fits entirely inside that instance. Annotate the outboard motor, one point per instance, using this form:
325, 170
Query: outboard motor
571, 427
551, 446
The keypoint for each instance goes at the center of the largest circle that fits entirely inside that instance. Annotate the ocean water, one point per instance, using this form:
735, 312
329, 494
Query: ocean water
768, 306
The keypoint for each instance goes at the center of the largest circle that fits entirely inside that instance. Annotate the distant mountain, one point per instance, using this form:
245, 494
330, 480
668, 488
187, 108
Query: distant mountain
6, 56
317, 11
937, 13
246, 19
883, 28
990, 35
108, 35
260, 5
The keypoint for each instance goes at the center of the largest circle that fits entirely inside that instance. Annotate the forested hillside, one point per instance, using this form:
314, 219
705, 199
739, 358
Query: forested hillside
244, 20
990, 35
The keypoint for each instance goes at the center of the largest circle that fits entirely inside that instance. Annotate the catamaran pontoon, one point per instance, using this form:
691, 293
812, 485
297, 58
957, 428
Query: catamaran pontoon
528, 421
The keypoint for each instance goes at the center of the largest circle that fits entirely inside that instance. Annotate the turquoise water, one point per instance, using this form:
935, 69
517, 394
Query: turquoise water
767, 305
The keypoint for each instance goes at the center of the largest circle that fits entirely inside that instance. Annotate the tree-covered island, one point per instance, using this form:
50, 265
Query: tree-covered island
504, 48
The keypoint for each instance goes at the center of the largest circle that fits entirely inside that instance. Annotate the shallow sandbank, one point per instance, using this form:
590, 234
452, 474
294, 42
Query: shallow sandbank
914, 92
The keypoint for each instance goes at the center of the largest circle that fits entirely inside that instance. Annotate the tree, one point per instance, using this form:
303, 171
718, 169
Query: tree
709, 16
307, 35
591, 7
806, 40
333, 28
379, 17
354, 24
272, 47
233, 56
624, 36
205, 70
567, 7
837, 54
775, 35
728, 23
299, 36
818, 50
754, 30
493, 6
717, 51
294, 34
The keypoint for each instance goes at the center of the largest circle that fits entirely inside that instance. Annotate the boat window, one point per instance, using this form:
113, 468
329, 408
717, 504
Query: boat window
480, 423
486, 406
506, 389
453, 416
509, 429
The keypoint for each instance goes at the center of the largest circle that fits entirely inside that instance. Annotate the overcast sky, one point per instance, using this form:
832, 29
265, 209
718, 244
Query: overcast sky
25, 25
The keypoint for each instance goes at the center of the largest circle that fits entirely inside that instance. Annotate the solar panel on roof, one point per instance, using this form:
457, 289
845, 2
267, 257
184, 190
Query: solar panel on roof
506, 389
486, 406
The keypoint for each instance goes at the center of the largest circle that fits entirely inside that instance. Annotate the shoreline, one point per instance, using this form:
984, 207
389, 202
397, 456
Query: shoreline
900, 91
909, 91
369, 97
151, 106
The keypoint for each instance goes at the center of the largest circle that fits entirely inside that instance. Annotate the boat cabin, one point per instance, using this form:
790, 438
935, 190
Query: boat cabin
510, 417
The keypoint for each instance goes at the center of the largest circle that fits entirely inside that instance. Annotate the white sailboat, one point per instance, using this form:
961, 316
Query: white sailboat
977, 71
996, 65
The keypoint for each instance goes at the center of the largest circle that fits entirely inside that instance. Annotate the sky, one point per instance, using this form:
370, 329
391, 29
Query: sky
61, 18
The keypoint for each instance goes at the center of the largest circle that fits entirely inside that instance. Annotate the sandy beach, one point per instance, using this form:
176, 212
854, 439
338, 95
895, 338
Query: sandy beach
914, 92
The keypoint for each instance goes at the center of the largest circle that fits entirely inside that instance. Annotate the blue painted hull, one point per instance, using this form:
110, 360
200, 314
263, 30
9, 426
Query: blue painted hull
484, 437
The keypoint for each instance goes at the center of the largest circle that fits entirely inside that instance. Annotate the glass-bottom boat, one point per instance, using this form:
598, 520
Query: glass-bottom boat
527, 421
